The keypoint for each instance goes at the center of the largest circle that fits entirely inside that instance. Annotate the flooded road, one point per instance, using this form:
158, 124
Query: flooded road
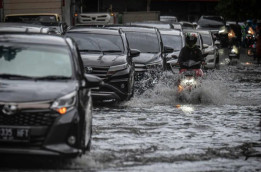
155, 131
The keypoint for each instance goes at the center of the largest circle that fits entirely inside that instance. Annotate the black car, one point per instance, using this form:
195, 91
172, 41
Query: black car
151, 61
175, 39
216, 24
45, 100
106, 54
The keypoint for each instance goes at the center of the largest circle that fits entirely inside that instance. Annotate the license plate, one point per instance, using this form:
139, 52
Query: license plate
14, 134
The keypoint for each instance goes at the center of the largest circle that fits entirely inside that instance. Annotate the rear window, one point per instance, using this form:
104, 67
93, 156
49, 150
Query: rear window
211, 21
32, 19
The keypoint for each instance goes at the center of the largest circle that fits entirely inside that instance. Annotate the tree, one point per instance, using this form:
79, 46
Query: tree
238, 10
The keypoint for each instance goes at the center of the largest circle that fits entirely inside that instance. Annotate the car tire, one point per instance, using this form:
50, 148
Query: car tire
87, 128
217, 66
130, 87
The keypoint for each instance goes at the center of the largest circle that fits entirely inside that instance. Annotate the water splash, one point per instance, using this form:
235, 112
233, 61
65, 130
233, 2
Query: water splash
217, 87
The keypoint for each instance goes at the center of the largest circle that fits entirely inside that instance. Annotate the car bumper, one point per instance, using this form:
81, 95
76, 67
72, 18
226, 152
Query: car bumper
50, 150
211, 61
46, 140
108, 92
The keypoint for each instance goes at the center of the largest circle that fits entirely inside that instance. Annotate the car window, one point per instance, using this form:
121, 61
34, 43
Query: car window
31, 18
145, 42
173, 41
207, 39
98, 42
211, 21
35, 60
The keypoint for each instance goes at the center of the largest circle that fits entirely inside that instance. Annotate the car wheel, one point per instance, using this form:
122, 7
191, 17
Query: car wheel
130, 87
87, 128
217, 66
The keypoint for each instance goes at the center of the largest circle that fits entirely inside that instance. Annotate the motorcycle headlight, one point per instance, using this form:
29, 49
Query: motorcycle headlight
113, 69
187, 82
65, 103
234, 50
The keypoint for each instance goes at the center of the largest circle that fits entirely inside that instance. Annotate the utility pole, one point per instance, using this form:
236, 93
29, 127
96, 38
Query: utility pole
148, 5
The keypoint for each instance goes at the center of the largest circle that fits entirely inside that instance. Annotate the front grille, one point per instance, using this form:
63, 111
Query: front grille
28, 119
98, 71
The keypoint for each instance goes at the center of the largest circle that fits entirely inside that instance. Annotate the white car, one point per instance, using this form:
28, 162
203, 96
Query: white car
174, 39
212, 59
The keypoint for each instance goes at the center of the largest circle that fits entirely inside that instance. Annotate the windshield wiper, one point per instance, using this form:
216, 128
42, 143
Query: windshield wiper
53, 77
9, 76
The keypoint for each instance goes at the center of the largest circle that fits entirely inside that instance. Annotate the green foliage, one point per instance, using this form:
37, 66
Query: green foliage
239, 10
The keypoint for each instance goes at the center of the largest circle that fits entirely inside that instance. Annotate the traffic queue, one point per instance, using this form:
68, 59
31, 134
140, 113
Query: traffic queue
49, 78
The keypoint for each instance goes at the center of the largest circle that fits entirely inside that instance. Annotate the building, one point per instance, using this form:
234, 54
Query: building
189, 10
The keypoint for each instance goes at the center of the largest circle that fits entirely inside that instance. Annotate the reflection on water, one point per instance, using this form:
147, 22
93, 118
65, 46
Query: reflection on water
186, 108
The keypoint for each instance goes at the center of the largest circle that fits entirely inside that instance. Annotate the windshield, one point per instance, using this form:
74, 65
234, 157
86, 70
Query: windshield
145, 42
173, 41
98, 42
34, 60
207, 39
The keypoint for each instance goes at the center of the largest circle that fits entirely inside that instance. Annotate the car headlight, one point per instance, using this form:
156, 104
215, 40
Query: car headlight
65, 103
223, 30
210, 50
113, 69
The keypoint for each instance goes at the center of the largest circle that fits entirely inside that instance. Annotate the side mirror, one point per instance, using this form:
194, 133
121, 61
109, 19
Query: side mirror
205, 46
93, 81
134, 53
168, 50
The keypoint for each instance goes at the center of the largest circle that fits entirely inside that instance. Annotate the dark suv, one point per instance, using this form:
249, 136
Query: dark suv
106, 54
151, 61
45, 100
216, 24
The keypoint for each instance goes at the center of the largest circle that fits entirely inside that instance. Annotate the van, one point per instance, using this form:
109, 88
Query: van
97, 18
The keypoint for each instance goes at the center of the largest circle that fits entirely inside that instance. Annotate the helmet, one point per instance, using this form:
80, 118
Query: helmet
191, 39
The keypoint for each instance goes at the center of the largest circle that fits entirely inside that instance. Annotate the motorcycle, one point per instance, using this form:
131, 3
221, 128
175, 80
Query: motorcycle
189, 79
233, 46
250, 42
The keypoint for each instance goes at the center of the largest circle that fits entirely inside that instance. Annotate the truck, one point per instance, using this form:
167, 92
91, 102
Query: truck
63, 10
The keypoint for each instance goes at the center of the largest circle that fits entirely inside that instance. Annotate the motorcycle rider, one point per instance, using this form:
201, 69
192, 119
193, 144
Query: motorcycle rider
190, 51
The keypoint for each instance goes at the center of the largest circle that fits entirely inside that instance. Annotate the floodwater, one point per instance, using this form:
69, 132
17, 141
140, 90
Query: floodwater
156, 131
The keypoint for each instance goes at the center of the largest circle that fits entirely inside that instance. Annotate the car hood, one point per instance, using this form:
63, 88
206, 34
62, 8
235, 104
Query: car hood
146, 58
175, 53
103, 59
31, 91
